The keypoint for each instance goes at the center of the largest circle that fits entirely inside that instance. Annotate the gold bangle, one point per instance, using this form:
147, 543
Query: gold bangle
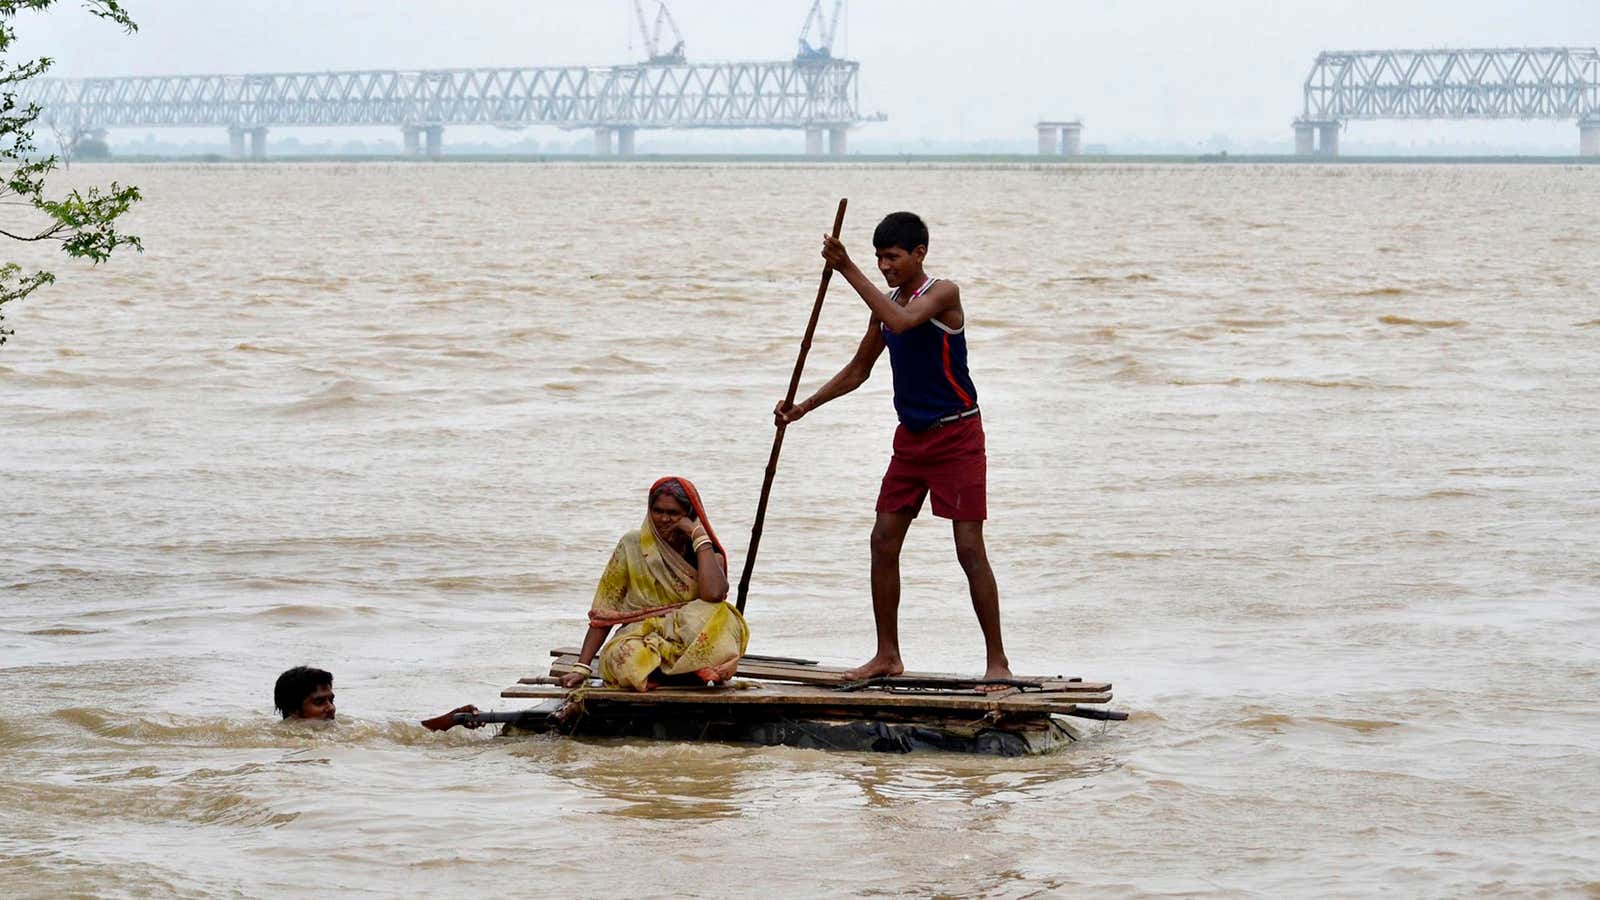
588, 669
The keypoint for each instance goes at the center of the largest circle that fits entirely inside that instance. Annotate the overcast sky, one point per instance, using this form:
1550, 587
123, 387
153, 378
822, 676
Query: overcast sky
941, 69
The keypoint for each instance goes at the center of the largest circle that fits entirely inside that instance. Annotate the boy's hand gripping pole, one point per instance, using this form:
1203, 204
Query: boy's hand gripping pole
777, 439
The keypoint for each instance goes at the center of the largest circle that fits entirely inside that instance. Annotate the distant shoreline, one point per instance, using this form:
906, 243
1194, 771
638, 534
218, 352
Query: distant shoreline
856, 159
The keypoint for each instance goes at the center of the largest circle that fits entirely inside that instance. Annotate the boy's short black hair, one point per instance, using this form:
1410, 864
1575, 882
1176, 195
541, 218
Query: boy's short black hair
905, 230
295, 685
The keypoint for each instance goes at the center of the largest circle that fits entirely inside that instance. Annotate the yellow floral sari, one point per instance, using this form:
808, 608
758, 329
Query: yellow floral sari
653, 593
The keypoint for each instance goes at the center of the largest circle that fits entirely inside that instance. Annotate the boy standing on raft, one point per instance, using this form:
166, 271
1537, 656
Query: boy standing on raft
938, 447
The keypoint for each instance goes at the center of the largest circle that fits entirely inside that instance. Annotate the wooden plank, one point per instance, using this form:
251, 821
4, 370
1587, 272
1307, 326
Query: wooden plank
564, 665
832, 704
791, 660
800, 695
807, 666
809, 675
834, 676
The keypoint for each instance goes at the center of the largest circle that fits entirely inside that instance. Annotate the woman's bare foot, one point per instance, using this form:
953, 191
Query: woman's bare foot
876, 667
995, 673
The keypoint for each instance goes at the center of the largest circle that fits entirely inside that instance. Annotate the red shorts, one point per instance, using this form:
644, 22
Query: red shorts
947, 461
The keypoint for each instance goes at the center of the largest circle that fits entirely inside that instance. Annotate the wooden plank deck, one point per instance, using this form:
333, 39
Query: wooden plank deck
798, 702
807, 672
785, 686
818, 697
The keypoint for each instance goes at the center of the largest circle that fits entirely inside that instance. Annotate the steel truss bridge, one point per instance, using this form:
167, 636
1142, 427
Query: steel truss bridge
1561, 83
820, 96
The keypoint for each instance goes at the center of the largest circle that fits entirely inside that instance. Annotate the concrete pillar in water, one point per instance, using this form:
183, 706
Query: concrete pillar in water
258, 143
813, 141
236, 142
433, 136
412, 136
1589, 138
602, 141
1049, 140
1072, 140
838, 141
625, 140
1305, 139
1328, 133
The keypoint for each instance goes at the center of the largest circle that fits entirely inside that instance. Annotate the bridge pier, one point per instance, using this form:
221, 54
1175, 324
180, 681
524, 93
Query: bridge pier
1316, 137
625, 140
1049, 140
236, 142
813, 141
433, 141
1589, 137
258, 143
1072, 139
1328, 139
602, 141
1305, 139
838, 141
1060, 138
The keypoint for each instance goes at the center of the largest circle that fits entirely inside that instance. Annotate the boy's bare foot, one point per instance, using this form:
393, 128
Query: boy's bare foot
876, 667
995, 673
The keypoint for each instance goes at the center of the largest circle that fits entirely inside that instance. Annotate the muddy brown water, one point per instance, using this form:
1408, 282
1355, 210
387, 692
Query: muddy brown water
1301, 458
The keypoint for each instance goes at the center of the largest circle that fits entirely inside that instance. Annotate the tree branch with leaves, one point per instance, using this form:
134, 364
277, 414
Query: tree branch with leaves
82, 222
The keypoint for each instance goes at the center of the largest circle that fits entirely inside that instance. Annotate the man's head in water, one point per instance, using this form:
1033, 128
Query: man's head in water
901, 241
304, 693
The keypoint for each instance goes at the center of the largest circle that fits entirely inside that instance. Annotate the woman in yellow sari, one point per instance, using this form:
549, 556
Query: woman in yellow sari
665, 586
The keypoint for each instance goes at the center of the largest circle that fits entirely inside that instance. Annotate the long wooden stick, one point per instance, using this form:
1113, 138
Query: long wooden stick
777, 439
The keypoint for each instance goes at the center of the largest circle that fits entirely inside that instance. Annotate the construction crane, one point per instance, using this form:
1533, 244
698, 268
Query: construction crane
826, 29
652, 39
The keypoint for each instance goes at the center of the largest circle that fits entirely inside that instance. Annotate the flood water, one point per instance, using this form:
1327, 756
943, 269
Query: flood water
1302, 458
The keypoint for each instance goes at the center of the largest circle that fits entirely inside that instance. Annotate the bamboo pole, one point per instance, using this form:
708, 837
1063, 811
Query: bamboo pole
777, 439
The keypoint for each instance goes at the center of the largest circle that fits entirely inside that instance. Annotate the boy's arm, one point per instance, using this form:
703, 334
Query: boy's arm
853, 375
448, 720
895, 317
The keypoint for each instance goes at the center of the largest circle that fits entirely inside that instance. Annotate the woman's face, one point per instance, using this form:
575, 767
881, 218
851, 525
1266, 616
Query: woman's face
665, 511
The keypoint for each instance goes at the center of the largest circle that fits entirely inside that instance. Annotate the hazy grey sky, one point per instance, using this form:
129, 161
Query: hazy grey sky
1157, 69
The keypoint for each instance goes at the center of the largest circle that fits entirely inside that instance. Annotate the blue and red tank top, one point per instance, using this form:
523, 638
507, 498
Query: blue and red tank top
931, 383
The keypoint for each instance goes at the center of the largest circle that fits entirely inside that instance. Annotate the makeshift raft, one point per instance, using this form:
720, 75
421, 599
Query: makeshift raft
801, 703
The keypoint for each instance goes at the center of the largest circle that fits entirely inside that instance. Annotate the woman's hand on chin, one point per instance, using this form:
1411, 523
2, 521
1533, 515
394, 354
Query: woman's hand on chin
686, 527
